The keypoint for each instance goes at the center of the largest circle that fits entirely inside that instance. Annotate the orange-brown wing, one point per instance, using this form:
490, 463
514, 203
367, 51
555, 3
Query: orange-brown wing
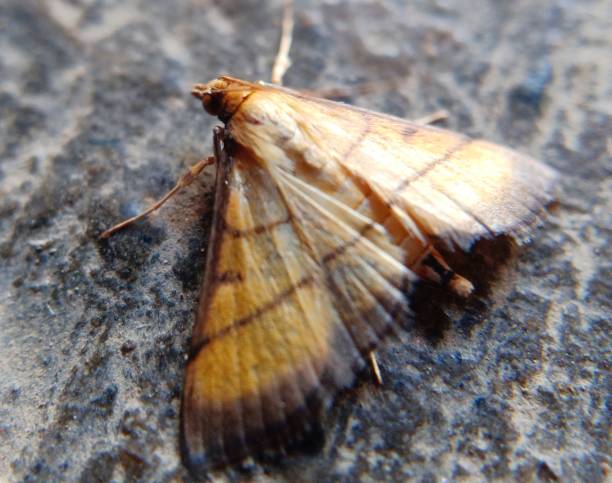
298, 289
438, 183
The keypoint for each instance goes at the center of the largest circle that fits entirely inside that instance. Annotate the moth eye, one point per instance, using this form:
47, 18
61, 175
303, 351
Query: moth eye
213, 103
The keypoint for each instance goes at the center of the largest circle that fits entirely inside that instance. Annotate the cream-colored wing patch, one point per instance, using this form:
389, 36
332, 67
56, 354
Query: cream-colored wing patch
365, 270
437, 182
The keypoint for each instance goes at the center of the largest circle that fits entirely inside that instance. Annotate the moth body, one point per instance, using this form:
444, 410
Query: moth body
325, 217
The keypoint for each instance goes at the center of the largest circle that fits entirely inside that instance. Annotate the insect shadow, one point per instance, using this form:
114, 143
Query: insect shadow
482, 265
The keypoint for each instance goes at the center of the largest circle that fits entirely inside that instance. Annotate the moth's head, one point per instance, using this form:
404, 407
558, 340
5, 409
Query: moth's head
221, 97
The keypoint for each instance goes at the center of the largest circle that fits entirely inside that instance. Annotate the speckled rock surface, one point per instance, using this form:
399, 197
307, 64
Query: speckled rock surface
96, 122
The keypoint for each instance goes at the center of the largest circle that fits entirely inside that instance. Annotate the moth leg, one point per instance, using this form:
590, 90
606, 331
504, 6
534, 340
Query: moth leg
375, 368
184, 181
434, 268
433, 118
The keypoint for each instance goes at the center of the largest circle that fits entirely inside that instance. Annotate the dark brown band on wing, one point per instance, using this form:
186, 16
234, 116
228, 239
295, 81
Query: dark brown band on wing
230, 276
275, 302
281, 429
435, 163
471, 214
238, 233
357, 141
339, 250
283, 426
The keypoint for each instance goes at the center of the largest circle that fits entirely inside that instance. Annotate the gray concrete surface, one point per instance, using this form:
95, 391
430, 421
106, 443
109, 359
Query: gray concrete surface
96, 121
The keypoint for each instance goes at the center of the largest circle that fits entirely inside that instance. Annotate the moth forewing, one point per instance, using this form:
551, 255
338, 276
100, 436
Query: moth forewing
263, 334
325, 215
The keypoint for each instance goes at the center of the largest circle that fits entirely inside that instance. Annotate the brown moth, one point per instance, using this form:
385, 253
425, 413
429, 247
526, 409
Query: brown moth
325, 216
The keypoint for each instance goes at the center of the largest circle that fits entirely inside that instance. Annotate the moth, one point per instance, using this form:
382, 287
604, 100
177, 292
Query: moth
325, 216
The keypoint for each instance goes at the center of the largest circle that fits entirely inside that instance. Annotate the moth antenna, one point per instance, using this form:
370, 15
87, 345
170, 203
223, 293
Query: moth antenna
433, 118
282, 62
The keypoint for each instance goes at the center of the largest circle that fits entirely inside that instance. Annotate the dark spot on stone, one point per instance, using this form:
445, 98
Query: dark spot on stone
13, 395
127, 347
99, 468
133, 465
531, 91
599, 288
544, 472
106, 400
480, 403
38, 466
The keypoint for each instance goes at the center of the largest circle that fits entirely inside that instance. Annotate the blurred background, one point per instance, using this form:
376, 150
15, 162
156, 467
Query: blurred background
96, 122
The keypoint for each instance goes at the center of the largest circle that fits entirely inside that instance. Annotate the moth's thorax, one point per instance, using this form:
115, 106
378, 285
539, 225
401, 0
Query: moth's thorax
258, 118
270, 126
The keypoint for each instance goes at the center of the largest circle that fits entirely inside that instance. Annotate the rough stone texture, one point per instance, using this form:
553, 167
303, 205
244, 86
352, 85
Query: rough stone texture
96, 122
